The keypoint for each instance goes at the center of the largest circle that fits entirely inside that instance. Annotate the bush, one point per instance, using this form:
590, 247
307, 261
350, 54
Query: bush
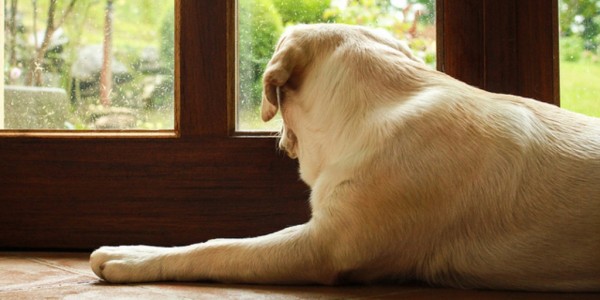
302, 11
167, 41
259, 28
383, 15
571, 48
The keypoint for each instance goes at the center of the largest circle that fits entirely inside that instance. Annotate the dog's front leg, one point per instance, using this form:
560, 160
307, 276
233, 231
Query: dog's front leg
293, 255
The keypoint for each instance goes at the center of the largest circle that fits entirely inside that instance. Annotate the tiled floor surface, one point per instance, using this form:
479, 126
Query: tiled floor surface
68, 276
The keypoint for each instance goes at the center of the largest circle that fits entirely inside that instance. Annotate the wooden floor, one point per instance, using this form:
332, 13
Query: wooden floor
68, 276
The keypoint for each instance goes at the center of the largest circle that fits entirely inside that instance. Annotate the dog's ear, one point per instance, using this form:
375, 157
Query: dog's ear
287, 59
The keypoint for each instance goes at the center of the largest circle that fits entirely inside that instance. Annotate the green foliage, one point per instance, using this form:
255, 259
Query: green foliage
359, 12
428, 18
399, 21
302, 11
581, 18
167, 41
571, 48
259, 28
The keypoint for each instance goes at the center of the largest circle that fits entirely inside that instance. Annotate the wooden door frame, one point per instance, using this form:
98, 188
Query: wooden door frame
508, 46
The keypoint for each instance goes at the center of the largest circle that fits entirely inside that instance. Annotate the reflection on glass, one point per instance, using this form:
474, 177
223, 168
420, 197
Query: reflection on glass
580, 56
88, 64
260, 22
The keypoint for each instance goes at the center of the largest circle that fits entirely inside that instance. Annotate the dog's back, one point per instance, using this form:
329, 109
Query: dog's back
524, 212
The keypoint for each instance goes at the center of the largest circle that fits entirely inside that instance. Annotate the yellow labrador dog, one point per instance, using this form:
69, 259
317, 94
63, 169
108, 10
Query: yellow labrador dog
414, 175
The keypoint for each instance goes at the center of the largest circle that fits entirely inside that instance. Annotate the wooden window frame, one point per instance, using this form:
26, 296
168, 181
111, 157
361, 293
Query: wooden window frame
205, 180
508, 46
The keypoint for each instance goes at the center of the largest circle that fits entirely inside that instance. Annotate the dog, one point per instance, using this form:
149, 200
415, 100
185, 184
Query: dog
414, 175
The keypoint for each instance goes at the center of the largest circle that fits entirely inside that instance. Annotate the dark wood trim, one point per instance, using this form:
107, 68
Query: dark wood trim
538, 49
500, 46
80, 194
507, 46
204, 45
460, 39
232, 66
440, 21
177, 55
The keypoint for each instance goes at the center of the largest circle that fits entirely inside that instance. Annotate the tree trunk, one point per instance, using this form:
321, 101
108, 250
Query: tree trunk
35, 30
106, 72
35, 67
12, 41
35, 73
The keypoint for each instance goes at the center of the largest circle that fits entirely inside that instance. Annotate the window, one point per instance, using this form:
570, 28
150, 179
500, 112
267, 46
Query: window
261, 22
83, 191
88, 65
580, 56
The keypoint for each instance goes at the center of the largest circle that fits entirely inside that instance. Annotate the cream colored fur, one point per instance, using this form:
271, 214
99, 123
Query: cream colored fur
414, 175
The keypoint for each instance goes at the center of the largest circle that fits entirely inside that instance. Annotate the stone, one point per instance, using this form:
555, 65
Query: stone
105, 118
89, 63
28, 107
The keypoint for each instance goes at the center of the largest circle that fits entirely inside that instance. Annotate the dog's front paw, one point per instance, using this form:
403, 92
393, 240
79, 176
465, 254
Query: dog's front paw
128, 263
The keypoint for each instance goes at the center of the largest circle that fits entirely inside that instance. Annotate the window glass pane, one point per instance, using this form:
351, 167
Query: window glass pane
260, 22
56, 74
580, 56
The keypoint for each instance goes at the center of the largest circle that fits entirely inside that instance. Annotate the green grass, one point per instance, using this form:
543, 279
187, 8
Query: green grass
250, 121
580, 87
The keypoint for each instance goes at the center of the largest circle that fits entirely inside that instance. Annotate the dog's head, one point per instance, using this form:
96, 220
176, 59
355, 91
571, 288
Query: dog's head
300, 52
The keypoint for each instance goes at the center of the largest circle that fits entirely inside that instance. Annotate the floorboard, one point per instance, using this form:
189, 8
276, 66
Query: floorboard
34, 275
